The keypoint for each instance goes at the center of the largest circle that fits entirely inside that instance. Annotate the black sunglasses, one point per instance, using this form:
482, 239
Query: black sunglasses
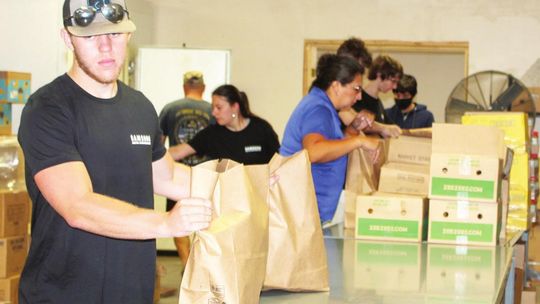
84, 16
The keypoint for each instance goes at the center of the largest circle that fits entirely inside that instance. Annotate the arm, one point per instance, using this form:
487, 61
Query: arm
67, 187
322, 150
384, 130
171, 179
347, 116
422, 132
180, 151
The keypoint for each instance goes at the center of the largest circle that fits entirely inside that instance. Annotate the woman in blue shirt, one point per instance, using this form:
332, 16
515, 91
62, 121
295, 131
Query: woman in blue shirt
315, 126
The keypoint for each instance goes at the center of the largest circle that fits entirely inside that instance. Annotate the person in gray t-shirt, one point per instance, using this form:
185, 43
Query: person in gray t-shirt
180, 120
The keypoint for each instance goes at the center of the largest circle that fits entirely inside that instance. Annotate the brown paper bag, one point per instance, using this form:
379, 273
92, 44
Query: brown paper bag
296, 253
359, 179
227, 261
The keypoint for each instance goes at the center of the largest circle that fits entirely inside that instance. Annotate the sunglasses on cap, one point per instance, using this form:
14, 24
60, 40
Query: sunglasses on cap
84, 16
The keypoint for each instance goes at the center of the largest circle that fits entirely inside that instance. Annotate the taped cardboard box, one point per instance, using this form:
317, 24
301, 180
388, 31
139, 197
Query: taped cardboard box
388, 266
6, 118
466, 162
14, 213
9, 289
463, 269
14, 87
460, 176
409, 150
468, 140
391, 217
404, 179
463, 222
13, 252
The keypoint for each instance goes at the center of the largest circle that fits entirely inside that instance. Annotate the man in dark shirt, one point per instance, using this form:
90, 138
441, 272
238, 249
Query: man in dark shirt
384, 72
93, 159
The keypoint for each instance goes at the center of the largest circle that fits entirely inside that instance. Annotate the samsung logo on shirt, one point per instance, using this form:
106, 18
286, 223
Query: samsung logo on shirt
251, 149
138, 139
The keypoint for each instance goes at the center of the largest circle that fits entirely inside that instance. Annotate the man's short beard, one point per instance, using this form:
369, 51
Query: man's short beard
91, 74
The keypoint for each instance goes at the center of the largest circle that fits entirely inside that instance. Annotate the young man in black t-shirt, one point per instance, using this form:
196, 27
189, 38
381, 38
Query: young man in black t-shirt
93, 158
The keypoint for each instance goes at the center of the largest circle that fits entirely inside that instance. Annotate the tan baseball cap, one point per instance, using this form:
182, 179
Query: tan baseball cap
193, 77
99, 25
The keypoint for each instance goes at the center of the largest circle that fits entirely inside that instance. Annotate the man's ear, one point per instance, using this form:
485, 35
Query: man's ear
67, 38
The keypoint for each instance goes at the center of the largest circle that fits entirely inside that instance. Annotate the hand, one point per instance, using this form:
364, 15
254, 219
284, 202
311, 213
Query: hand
189, 215
390, 131
372, 146
362, 121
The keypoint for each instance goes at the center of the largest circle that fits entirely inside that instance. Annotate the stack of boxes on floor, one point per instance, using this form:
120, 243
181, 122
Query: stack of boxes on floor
14, 202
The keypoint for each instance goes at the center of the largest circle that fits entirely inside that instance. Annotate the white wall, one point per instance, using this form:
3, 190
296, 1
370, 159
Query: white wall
31, 39
266, 36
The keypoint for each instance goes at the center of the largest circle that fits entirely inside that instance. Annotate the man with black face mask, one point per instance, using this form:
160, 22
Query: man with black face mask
406, 113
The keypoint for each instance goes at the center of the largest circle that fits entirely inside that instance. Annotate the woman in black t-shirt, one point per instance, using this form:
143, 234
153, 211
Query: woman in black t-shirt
238, 134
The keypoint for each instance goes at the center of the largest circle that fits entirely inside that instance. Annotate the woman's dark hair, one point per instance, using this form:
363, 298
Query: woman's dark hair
332, 68
233, 95
356, 48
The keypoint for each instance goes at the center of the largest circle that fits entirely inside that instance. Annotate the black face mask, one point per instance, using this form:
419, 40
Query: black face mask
403, 103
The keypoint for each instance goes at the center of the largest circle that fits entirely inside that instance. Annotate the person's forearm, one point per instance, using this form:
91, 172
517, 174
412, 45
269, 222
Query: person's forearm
329, 150
114, 218
171, 179
181, 151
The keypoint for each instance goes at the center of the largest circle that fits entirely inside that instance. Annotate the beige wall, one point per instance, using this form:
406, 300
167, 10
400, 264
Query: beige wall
266, 36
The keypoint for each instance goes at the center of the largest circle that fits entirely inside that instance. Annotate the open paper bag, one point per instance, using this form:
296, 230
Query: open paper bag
296, 253
227, 261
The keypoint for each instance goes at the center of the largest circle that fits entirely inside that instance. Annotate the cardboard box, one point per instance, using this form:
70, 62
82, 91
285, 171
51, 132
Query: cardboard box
461, 270
463, 222
9, 289
13, 252
5, 119
404, 179
388, 266
410, 150
391, 217
468, 140
462, 176
14, 213
14, 87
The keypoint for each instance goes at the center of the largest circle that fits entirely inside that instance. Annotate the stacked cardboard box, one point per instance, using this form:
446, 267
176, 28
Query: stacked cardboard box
398, 211
14, 219
516, 137
15, 211
14, 89
465, 178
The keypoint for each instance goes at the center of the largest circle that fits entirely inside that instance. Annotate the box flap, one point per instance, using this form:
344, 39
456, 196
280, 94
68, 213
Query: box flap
467, 139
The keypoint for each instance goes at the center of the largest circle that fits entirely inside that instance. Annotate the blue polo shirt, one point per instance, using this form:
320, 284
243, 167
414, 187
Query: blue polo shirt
316, 114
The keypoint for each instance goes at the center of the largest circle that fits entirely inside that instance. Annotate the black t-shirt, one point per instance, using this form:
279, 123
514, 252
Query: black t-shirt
374, 105
117, 140
255, 144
